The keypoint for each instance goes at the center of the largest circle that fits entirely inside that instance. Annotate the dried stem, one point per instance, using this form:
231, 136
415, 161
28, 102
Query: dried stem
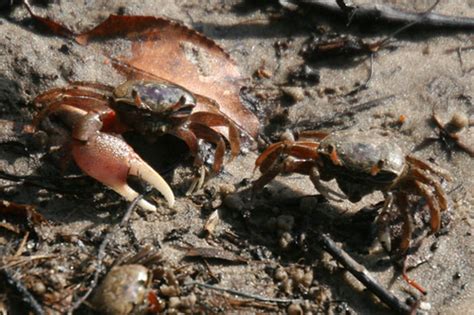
363, 275
389, 14
101, 254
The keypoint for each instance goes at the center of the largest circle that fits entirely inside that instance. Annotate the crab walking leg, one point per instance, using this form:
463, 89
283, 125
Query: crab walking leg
382, 222
110, 160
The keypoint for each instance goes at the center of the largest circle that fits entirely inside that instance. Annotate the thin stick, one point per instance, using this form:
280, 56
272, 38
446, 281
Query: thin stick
39, 181
21, 260
419, 20
21, 248
330, 119
26, 296
365, 85
363, 275
243, 294
389, 14
101, 254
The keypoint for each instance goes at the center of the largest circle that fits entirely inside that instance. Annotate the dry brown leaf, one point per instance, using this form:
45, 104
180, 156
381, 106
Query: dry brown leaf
52, 26
214, 253
175, 53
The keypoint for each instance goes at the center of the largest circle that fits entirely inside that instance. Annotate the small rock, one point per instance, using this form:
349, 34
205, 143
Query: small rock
295, 309
285, 240
174, 302
169, 290
226, 189
295, 93
280, 274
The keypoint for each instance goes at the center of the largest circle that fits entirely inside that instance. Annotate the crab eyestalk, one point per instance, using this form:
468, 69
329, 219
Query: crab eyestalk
109, 159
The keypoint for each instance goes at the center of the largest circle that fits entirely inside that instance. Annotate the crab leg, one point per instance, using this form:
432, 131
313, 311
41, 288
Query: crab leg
382, 222
229, 130
432, 205
110, 160
401, 200
206, 133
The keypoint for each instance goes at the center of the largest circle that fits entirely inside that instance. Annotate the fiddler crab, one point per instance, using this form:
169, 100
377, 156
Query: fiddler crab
92, 116
361, 163
127, 288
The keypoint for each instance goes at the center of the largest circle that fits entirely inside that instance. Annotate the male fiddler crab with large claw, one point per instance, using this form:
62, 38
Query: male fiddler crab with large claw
92, 116
361, 163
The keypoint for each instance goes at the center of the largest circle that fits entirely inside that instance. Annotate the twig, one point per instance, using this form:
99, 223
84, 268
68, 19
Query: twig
365, 85
363, 275
418, 20
21, 247
243, 294
389, 14
39, 181
330, 119
21, 260
26, 296
101, 254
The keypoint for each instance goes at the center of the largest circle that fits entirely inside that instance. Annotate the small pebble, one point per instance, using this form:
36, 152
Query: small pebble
174, 302
226, 189
188, 301
295, 93
307, 279
425, 306
285, 240
295, 309
297, 275
458, 122
287, 136
280, 274
38, 288
169, 290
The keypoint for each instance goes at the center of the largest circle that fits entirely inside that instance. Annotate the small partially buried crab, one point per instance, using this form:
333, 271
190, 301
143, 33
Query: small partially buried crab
127, 289
90, 118
361, 163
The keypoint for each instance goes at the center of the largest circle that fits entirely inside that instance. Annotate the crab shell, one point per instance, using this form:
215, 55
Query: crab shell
91, 116
124, 291
358, 154
360, 162
150, 107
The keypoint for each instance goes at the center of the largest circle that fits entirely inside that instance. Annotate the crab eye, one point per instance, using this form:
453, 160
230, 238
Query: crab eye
376, 168
381, 163
333, 155
137, 99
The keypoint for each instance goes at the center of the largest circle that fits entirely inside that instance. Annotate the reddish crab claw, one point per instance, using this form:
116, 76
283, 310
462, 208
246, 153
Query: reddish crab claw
91, 117
110, 160
360, 163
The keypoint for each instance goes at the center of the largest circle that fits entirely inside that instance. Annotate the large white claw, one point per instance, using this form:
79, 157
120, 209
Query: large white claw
128, 193
144, 171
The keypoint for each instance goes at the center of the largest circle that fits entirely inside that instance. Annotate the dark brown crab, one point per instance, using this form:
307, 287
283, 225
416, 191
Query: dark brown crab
361, 163
93, 115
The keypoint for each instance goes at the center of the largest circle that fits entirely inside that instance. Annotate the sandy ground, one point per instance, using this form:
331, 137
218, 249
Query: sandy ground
273, 232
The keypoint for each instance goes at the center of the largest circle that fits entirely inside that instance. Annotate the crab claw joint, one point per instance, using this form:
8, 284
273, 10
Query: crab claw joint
109, 159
